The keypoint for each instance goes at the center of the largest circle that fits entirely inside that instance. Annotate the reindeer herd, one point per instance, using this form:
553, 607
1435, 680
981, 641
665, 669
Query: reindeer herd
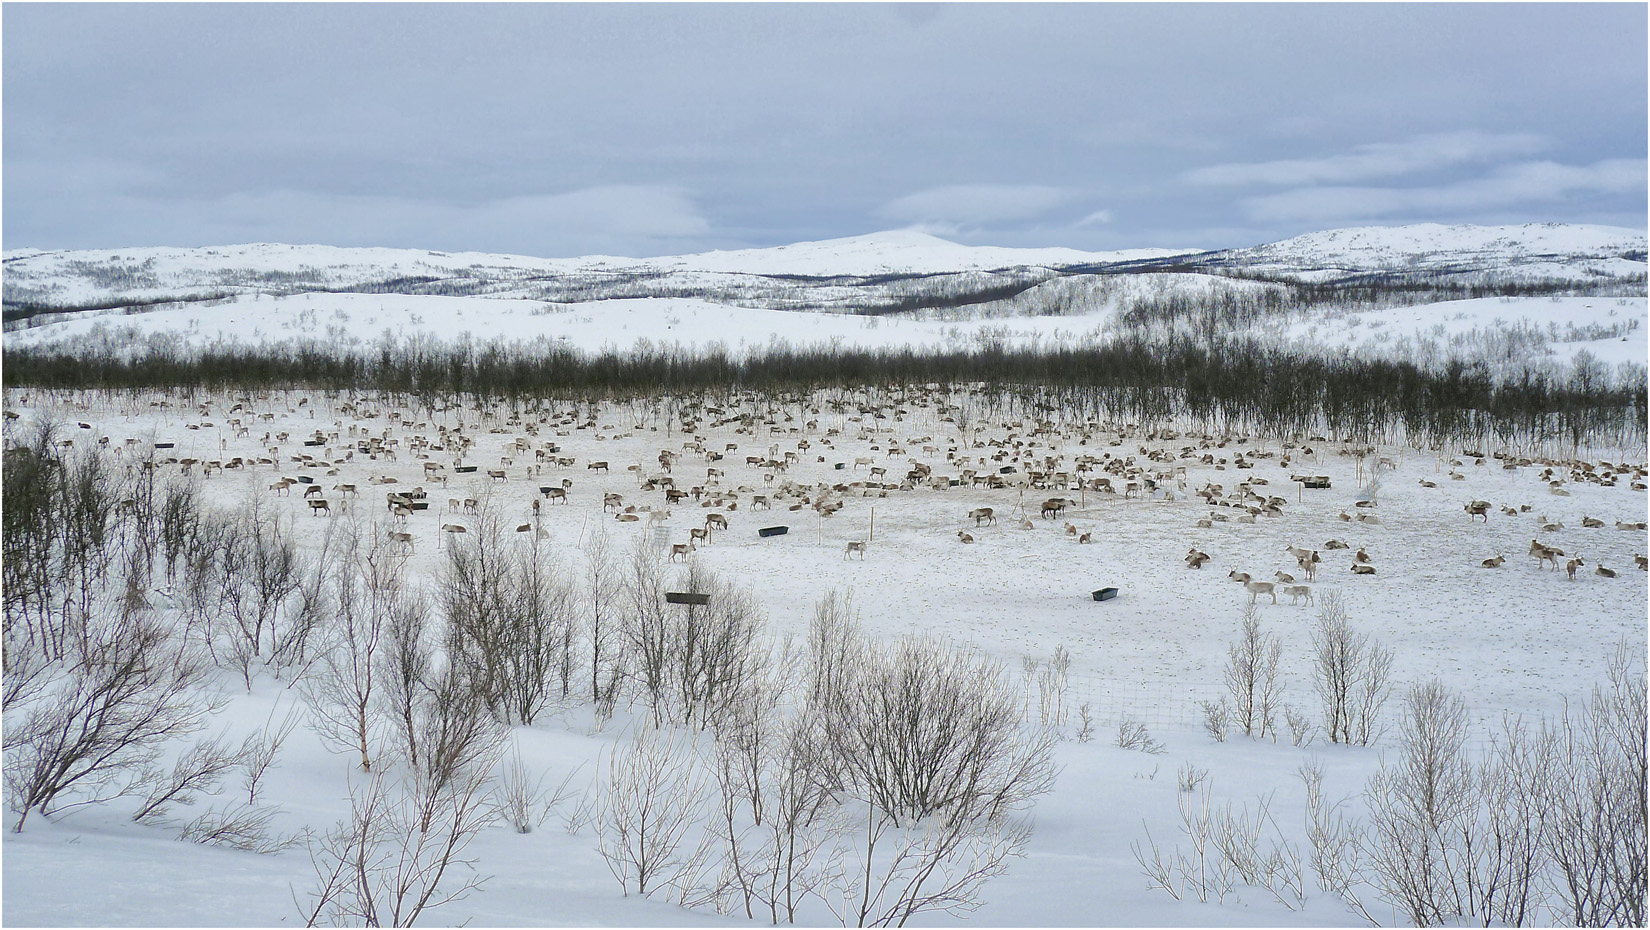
806, 456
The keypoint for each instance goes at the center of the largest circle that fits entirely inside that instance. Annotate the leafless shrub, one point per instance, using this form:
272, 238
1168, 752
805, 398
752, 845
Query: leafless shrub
1596, 802
1224, 846
238, 826
1217, 719
654, 793
511, 614
1132, 734
364, 588
389, 862
1190, 776
1352, 675
1300, 726
258, 755
93, 732
198, 770
1251, 677
1421, 809
519, 796
691, 661
1085, 724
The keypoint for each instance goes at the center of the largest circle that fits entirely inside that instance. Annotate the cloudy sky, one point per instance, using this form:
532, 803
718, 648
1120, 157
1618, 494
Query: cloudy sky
561, 129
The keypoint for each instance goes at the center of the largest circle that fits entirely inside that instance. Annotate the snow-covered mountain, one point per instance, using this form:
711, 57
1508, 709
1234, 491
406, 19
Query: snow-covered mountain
854, 274
1550, 290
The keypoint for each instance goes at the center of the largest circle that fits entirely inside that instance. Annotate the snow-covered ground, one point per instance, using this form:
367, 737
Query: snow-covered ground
1518, 639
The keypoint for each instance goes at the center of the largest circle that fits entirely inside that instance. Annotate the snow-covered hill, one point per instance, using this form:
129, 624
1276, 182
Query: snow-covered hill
1545, 250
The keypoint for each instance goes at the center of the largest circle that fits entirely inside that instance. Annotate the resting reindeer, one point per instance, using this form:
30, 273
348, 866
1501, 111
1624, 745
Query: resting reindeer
1603, 572
965, 537
1495, 562
853, 547
1642, 562
1195, 558
1363, 569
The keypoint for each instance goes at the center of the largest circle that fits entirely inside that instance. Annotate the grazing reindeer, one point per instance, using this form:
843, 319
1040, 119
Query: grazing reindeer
853, 547
716, 520
319, 506
1298, 591
680, 549
982, 514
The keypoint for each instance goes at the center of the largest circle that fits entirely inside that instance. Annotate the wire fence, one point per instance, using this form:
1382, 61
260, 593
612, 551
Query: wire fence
1167, 707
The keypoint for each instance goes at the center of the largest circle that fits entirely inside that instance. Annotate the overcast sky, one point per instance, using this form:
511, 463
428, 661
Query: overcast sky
560, 130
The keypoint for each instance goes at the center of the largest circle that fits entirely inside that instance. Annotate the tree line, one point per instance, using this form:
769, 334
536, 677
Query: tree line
1224, 383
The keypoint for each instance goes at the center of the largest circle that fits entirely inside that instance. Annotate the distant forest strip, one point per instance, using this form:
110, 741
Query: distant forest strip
1236, 383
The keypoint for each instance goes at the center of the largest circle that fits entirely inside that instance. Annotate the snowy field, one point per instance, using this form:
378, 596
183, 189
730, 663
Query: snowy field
1519, 639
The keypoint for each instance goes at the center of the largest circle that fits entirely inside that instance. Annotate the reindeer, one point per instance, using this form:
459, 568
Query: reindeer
716, 520
697, 533
1590, 523
982, 515
320, 506
1298, 591
1603, 572
1478, 509
1363, 569
965, 537
1571, 566
1642, 562
1053, 507
1495, 562
853, 547
1283, 578
1257, 588
612, 500
658, 516
313, 490
680, 549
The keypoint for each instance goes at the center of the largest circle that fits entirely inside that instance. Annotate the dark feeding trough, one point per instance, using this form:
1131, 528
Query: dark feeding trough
767, 531
418, 505
685, 597
464, 469
1316, 481
165, 445
1105, 594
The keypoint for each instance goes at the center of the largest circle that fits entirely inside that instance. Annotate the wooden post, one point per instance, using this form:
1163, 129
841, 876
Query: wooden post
871, 537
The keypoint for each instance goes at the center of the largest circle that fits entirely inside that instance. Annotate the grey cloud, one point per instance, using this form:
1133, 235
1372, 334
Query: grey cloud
1529, 182
1378, 160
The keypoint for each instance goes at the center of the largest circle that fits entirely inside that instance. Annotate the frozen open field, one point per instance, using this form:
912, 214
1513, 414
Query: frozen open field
1520, 639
